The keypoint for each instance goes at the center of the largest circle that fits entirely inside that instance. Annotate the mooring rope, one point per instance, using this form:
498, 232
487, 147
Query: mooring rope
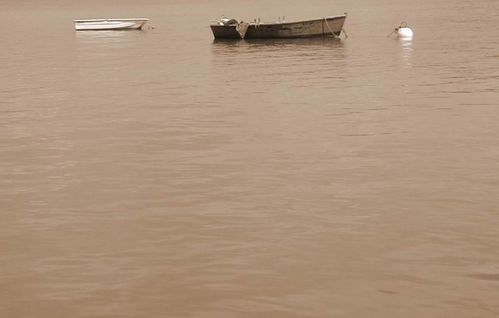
403, 24
241, 28
344, 32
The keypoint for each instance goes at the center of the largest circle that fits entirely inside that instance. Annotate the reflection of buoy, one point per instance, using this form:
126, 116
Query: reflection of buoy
404, 31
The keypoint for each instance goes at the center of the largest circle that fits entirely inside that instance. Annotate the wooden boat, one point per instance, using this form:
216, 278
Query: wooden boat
109, 24
232, 29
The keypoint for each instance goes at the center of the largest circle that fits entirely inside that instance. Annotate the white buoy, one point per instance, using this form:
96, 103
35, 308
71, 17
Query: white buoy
403, 31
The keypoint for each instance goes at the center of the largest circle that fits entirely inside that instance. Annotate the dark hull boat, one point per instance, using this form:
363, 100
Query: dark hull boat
232, 29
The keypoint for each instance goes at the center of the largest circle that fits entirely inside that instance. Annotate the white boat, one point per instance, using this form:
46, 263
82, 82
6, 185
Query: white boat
110, 24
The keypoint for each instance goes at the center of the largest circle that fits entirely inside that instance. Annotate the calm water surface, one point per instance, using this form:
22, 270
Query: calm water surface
162, 174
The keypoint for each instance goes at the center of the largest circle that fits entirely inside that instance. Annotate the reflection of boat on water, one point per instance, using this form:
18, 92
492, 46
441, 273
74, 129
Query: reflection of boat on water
283, 42
232, 29
301, 48
110, 24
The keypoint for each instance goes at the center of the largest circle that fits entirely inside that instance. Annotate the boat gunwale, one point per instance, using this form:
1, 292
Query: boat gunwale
286, 22
111, 20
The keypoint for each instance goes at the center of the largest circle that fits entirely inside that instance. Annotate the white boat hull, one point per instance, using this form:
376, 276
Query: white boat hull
109, 24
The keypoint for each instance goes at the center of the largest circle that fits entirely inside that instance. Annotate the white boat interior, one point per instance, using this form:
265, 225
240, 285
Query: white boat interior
109, 24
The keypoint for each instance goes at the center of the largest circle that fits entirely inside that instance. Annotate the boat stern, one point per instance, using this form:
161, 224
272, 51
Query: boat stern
225, 31
334, 25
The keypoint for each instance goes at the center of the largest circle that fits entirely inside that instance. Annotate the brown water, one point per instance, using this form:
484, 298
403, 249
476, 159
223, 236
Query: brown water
161, 174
